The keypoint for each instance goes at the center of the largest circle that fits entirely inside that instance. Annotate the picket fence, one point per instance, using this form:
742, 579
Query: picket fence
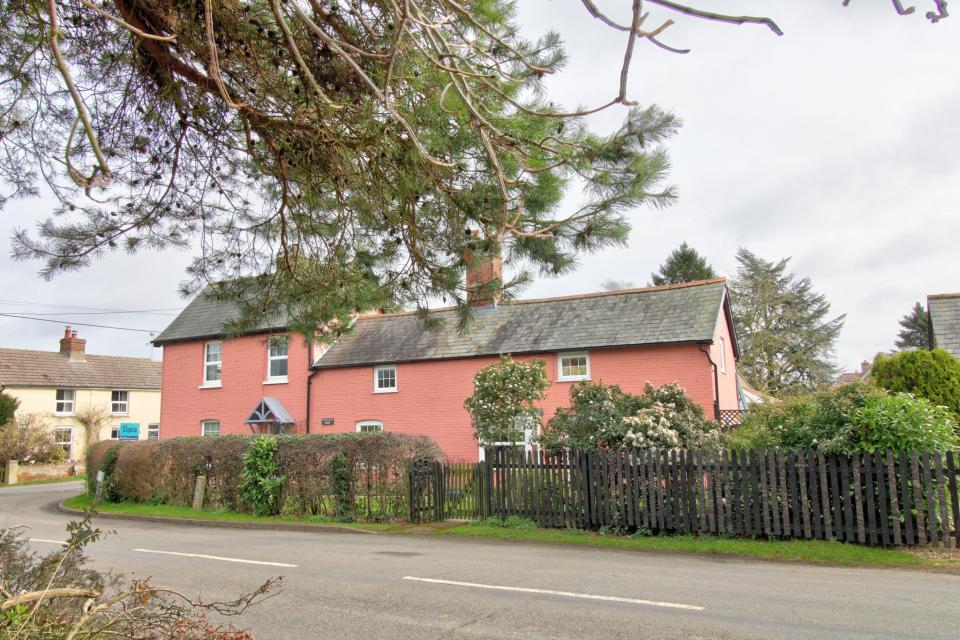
883, 498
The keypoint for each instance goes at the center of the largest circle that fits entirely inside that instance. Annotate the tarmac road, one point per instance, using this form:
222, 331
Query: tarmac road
354, 585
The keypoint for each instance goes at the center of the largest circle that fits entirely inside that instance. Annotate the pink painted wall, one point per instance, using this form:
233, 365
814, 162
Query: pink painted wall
184, 404
726, 379
430, 395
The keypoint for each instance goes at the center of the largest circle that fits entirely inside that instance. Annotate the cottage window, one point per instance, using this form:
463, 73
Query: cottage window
369, 426
573, 366
210, 428
115, 432
277, 359
153, 432
66, 399
119, 402
385, 379
212, 364
63, 436
723, 355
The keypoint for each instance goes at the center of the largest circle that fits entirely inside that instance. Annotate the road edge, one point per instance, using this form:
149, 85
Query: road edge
221, 524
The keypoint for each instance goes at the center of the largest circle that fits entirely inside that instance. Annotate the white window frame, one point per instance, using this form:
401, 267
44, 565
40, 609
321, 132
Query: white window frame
71, 403
69, 448
377, 426
155, 428
572, 354
529, 436
376, 379
218, 382
125, 402
115, 432
272, 379
723, 355
203, 428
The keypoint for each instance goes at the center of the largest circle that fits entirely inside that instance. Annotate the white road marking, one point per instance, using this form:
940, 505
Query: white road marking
566, 594
47, 541
206, 557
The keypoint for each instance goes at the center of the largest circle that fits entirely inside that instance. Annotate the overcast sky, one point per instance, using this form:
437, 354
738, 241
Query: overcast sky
837, 144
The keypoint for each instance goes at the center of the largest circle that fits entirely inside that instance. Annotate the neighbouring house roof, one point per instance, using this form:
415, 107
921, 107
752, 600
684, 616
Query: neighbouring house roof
206, 316
686, 313
943, 324
269, 409
25, 368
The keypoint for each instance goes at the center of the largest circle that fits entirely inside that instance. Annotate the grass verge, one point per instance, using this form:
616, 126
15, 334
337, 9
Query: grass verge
167, 511
805, 551
77, 478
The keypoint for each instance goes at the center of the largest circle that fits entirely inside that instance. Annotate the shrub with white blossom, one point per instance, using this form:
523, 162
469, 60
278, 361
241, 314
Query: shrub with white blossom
502, 405
606, 417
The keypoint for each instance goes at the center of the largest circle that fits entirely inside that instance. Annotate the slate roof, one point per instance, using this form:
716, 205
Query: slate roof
24, 368
205, 317
944, 322
657, 315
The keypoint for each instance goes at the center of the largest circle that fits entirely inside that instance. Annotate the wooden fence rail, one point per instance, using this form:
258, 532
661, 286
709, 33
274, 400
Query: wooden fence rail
883, 498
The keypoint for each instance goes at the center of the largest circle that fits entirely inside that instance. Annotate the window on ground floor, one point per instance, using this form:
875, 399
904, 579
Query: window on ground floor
153, 432
369, 426
210, 428
63, 436
115, 432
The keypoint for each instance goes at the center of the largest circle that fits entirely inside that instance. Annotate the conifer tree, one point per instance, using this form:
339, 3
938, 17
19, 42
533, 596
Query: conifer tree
684, 264
913, 331
786, 339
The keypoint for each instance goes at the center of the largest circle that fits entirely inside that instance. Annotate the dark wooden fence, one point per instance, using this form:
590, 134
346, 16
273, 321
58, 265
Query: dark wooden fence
884, 498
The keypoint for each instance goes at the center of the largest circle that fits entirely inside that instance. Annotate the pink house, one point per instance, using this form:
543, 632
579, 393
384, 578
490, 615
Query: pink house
392, 373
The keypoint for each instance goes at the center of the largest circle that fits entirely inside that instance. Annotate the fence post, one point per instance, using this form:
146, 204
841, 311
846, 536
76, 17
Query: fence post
13, 469
199, 492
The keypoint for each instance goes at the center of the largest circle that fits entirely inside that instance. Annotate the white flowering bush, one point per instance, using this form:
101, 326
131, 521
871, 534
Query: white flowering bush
602, 417
502, 405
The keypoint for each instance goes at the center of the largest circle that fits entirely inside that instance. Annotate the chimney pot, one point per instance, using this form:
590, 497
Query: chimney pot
73, 347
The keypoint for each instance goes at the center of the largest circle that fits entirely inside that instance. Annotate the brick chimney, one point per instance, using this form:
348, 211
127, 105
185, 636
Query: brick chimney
481, 272
72, 347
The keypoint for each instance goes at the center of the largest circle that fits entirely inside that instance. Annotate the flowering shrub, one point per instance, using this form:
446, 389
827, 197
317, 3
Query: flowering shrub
606, 417
502, 405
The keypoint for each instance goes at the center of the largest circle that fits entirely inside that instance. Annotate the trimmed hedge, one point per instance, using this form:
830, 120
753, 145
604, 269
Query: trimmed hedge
934, 375
165, 471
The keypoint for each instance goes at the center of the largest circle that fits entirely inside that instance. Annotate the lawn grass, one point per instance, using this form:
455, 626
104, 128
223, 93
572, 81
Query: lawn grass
167, 511
77, 478
809, 551
806, 551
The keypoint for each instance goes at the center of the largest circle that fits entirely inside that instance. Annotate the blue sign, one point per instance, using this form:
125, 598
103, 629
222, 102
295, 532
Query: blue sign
129, 431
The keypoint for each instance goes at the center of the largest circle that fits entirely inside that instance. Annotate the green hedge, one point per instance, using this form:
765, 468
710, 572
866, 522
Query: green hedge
934, 375
165, 471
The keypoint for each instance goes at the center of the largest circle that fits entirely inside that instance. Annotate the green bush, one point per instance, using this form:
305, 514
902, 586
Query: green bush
934, 375
502, 405
847, 419
261, 481
8, 407
899, 422
341, 484
607, 417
